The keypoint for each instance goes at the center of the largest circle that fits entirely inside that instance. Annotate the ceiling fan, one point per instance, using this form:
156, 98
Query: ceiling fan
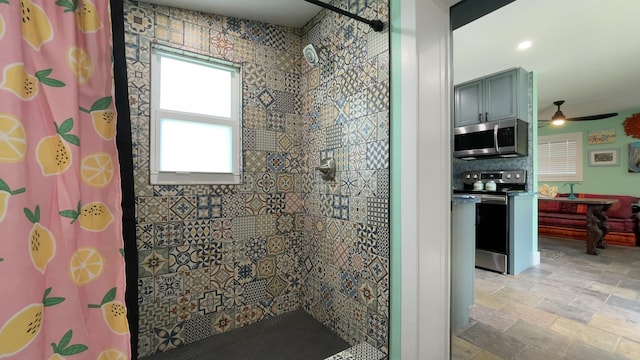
559, 118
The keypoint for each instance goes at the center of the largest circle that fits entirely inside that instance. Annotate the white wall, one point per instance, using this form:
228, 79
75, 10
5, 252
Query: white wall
425, 178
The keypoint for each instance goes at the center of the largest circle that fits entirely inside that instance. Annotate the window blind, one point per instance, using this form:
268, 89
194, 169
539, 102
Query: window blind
560, 157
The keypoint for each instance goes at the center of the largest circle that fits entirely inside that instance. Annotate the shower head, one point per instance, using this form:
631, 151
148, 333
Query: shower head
310, 55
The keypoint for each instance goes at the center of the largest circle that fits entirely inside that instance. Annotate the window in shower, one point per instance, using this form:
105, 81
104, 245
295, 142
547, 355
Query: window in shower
195, 119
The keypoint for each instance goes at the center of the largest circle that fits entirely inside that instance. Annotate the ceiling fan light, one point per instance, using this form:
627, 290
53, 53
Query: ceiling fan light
557, 122
558, 116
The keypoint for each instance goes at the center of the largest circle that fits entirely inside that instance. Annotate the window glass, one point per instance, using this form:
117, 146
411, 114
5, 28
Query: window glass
195, 88
184, 143
195, 119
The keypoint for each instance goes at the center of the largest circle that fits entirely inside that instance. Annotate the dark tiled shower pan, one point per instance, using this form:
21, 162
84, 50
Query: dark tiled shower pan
292, 336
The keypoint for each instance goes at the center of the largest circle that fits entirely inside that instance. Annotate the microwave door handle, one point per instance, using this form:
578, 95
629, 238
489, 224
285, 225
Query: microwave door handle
495, 139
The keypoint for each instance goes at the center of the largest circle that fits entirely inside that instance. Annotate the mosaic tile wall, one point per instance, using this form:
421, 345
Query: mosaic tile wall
215, 258
345, 103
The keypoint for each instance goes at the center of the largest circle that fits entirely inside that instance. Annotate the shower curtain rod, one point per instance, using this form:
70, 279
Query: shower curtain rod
376, 25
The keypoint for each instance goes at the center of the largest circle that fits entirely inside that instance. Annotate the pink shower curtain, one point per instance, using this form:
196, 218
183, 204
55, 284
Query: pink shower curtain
62, 279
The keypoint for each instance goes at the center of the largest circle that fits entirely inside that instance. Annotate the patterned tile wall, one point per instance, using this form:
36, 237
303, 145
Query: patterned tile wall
345, 102
215, 258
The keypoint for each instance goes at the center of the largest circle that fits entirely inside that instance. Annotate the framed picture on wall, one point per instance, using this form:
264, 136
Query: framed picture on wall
634, 157
602, 136
604, 157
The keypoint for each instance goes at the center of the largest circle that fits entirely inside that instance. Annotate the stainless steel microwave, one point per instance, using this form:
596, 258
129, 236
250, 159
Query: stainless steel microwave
504, 138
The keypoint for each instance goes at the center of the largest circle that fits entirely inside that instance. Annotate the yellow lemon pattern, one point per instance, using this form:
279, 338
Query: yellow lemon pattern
87, 17
1, 26
5, 193
23, 327
80, 64
13, 139
97, 169
103, 117
57, 56
16, 79
42, 245
52, 153
86, 265
114, 312
94, 216
112, 354
36, 27
86, 14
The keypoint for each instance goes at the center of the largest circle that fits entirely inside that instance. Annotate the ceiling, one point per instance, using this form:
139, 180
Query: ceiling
583, 52
291, 13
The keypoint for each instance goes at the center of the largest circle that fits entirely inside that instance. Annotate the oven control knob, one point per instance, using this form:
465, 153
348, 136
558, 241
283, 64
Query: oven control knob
508, 176
517, 176
468, 176
475, 176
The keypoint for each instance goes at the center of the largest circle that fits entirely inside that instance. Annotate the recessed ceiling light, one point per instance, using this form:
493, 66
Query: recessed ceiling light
524, 45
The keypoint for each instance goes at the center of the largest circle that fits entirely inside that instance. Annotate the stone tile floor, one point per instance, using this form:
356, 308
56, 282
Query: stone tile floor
572, 306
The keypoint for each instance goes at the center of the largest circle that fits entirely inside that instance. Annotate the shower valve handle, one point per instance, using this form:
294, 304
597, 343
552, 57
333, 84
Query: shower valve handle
327, 168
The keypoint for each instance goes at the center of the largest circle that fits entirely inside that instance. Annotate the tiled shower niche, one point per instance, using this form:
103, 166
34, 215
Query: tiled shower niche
216, 258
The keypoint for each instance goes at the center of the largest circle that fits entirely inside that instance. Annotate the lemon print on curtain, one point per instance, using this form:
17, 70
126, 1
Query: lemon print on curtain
23, 327
80, 64
112, 354
85, 266
97, 169
13, 139
114, 312
24, 85
103, 117
60, 198
36, 27
5, 194
86, 14
1, 26
53, 154
42, 244
94, 216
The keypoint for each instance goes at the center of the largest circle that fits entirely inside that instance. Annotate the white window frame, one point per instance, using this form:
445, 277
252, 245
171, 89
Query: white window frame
546, 139
158, 177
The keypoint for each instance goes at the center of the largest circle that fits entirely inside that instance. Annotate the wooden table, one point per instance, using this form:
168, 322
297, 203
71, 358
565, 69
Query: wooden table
597, 226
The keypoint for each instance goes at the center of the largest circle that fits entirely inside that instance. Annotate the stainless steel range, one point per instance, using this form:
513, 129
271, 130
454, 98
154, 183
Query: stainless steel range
492, 213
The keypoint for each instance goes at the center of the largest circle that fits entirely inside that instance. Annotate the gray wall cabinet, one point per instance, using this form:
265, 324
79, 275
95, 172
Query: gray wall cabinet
499, 96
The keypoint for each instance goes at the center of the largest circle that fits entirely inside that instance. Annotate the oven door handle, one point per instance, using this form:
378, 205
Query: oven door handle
493, 199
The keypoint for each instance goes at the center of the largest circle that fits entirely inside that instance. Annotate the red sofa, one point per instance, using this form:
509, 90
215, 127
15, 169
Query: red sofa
567, 220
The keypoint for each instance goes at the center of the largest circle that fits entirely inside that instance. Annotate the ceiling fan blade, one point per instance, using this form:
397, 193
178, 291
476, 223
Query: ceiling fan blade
593, 117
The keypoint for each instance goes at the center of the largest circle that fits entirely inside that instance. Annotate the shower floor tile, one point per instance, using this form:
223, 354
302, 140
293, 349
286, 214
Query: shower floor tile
292, 336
